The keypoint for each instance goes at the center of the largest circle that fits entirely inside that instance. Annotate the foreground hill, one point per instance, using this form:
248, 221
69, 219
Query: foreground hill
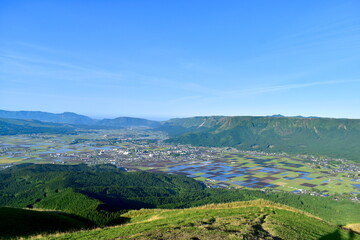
319, 136
257, 219
16, 126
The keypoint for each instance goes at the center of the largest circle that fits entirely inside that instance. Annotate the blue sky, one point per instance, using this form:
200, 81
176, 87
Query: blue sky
163, 59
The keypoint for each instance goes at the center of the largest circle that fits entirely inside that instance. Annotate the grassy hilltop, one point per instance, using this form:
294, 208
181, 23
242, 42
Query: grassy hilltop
258, 219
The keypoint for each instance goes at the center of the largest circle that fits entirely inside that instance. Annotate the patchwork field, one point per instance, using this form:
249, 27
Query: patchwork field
216, 167
241, 170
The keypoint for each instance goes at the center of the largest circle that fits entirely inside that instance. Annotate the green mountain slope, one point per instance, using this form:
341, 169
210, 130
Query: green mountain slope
177, 126
258, 219
319, 136
16, 126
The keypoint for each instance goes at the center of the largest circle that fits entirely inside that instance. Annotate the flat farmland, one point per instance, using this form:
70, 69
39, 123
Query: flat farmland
258, 171
217, 167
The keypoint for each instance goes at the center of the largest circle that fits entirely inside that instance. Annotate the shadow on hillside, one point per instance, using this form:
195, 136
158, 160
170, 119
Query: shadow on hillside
119, 221
338, 236
16, 222
111, 204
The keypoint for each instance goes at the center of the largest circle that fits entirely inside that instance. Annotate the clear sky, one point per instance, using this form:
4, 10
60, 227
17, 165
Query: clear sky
162, 59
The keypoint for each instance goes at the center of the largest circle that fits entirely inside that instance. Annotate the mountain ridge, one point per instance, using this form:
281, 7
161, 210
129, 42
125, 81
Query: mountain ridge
77, 119
66, 117
330, 137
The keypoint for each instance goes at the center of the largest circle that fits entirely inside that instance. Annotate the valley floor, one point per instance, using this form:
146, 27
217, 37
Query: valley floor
217, 167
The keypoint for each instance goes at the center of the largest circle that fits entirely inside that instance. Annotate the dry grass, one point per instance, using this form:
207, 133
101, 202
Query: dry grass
9, 160
354, 227
256, 203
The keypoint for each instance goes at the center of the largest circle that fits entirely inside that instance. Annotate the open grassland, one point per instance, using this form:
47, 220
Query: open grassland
257, 219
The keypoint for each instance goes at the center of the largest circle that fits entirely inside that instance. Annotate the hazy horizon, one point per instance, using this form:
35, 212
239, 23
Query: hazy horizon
165, 118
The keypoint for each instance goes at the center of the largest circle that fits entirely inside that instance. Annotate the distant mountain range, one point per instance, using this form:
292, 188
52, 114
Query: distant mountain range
300, 135
76, 119
298, 116
10, 126
122, 122
66, 117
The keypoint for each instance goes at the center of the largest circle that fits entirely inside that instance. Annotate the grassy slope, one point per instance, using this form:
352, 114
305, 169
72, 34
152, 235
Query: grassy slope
319, 136
340, 212
258, 219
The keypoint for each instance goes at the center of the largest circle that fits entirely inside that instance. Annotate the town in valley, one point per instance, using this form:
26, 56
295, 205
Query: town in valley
138, 149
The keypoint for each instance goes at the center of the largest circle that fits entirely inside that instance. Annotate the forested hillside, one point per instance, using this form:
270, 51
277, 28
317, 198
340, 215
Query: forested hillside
338, 138
95, 193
